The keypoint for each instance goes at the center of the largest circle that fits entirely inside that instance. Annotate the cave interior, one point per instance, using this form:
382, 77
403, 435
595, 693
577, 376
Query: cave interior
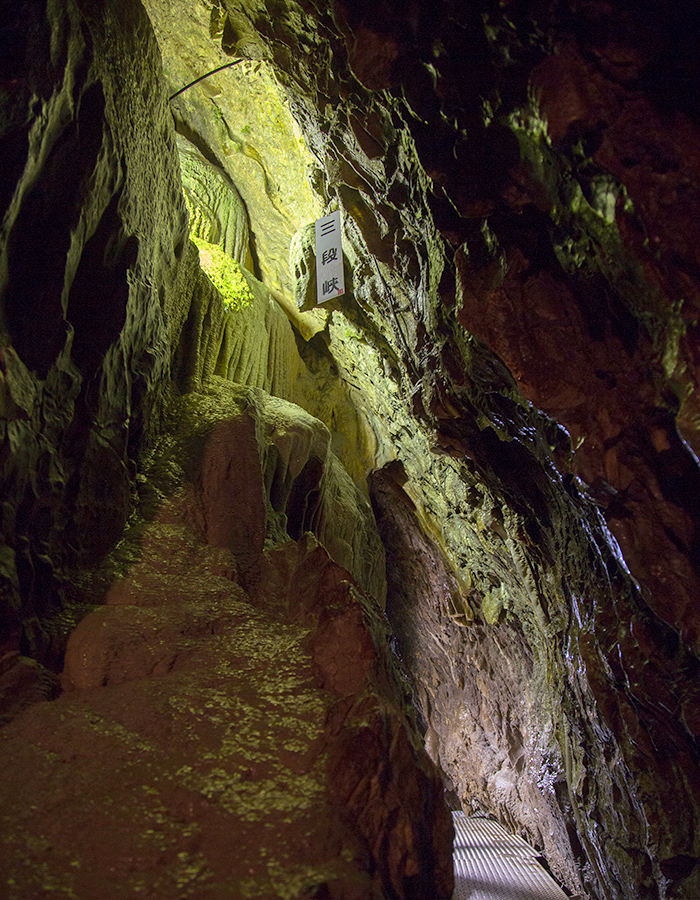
285, 578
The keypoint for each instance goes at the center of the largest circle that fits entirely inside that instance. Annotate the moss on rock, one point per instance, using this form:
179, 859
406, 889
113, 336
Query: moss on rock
225, 274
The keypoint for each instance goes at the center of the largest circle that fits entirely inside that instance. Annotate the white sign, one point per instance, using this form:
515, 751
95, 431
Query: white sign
329, 258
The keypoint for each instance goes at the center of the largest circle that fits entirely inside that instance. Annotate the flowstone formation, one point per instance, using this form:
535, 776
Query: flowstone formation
496, 419
216, 210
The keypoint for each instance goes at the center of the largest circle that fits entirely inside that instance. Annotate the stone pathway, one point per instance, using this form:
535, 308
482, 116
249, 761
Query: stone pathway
491, 864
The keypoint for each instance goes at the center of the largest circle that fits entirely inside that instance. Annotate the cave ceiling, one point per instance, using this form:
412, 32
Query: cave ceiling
510, 380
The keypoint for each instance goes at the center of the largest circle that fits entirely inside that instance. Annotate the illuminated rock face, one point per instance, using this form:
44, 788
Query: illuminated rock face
506, 379
217, 212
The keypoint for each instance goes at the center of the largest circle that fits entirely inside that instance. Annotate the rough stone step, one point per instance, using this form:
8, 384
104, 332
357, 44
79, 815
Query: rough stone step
491, 864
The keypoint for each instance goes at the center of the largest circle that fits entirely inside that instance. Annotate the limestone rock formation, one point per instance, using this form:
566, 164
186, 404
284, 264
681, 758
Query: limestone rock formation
95, 280
510, 382
268, 473
217, 212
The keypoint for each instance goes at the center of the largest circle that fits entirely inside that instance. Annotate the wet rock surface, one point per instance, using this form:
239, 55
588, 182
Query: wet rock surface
515, 361
554, 269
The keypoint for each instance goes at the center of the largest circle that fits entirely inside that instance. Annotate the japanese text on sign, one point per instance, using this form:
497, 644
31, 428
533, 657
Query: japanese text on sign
329, 258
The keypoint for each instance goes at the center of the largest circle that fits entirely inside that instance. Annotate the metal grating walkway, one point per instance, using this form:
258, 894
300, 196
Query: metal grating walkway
491, 864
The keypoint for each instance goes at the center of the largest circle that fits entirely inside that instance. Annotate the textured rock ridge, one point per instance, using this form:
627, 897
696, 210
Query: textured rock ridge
94, 280
217, 212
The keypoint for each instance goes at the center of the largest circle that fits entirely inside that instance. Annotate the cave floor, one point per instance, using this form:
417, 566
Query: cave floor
491, 864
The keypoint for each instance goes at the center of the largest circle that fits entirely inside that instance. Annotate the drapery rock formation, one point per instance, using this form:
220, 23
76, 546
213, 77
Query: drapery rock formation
493, 427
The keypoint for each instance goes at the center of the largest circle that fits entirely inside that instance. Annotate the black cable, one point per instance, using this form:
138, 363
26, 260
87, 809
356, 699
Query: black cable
202, 77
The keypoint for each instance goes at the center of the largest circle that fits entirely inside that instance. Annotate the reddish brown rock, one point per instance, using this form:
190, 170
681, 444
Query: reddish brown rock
23, 681
213, 742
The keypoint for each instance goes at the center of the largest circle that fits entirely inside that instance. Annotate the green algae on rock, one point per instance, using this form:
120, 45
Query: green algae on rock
225, 274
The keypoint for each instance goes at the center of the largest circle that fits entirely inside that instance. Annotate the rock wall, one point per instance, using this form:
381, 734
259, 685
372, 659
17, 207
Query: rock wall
572, 548
95, 282
230, 719
513, 367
